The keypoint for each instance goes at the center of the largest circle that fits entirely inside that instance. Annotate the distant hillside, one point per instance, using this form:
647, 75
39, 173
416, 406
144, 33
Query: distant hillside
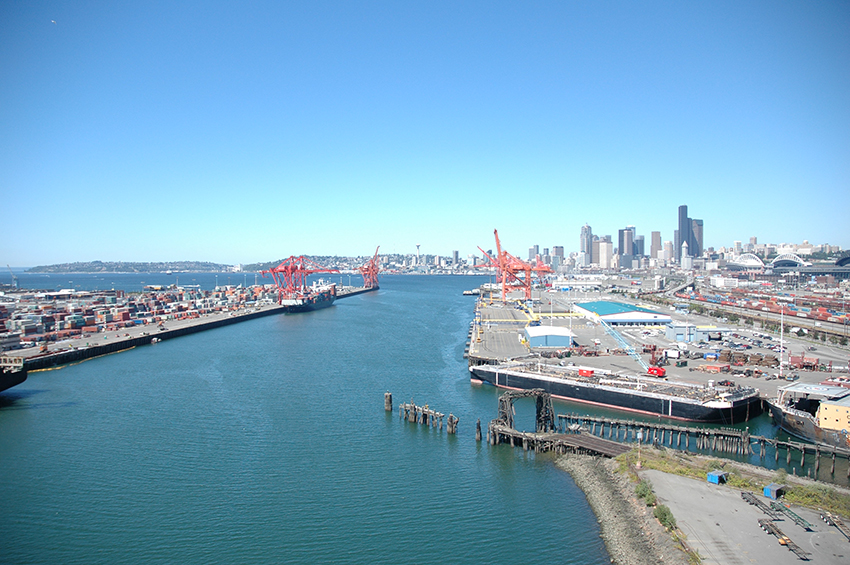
122, 267
329, 261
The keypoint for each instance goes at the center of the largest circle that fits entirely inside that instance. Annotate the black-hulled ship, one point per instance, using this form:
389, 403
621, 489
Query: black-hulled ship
12, 372
319, 295
814, 412
645, 395
294, 295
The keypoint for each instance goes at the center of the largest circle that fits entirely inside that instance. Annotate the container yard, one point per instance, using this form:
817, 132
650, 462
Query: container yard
46, 329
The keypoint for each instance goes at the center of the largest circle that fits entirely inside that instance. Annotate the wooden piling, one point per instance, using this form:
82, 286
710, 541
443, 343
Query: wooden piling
451, 424
388, 401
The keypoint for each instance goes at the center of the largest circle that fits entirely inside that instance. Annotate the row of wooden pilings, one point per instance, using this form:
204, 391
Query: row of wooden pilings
816, 450
723, 440
421, 414
529, 441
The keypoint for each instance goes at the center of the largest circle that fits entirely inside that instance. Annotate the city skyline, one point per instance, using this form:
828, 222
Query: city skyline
240, 134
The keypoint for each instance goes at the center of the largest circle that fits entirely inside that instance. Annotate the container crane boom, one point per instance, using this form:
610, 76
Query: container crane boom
14, 278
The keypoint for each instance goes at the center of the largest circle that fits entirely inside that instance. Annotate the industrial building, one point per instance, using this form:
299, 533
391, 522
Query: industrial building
690, 333
549, 336
620, 314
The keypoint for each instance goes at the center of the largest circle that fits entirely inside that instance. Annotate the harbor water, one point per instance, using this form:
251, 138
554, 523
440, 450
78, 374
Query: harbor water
267, 442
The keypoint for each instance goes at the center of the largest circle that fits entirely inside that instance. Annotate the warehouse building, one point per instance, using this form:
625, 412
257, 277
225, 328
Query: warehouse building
620, 314
548, 336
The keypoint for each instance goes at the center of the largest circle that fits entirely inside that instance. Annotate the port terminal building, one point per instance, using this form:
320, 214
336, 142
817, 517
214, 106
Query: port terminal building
620, 314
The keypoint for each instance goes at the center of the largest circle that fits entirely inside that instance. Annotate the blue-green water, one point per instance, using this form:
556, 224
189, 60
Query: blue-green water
267, 442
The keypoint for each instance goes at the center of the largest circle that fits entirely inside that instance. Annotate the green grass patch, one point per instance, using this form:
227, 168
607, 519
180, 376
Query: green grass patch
817, 496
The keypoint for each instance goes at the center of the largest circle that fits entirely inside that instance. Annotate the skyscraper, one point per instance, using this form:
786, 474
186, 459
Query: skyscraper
695, 246
586, 244
655, 244
626, 241
586, 239
668, 251
690, 232
605, 254
684, 231
639, 246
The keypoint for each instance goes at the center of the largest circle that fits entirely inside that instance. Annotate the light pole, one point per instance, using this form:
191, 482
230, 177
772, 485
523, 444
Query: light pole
781, 337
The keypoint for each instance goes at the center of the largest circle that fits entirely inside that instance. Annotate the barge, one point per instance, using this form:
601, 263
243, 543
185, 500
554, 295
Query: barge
645, 395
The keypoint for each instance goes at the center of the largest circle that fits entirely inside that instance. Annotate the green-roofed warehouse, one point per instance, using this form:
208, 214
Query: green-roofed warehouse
620, 314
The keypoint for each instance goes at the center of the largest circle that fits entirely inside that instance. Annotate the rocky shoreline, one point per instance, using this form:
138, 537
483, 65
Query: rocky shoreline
631, 533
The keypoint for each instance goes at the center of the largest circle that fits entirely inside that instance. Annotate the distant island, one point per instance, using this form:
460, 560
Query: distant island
127, 267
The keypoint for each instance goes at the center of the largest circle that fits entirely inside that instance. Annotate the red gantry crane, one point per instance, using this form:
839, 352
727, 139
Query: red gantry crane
370, 271
291, 276
510, 268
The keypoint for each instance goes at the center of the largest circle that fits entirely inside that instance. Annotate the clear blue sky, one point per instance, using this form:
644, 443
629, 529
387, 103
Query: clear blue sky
250, 131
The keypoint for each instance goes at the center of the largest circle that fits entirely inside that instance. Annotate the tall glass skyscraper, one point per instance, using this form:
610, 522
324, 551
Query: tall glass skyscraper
585, 244
690, 232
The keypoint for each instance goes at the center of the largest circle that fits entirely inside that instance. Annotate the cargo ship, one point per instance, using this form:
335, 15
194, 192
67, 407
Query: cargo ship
10, 378
294, 295
817, 413
319, 295
644, 395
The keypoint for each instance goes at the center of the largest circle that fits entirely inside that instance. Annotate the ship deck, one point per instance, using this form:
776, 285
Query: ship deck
646, 385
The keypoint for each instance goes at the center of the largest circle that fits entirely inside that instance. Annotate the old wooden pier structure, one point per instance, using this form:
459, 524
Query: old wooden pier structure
423, 415
501, 430
724, 440
718, 440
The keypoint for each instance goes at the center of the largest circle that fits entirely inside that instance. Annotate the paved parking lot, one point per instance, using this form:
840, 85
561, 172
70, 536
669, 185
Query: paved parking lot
724, 528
